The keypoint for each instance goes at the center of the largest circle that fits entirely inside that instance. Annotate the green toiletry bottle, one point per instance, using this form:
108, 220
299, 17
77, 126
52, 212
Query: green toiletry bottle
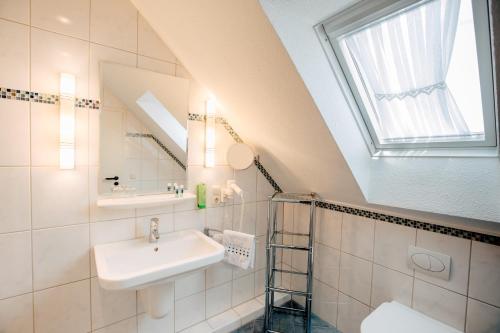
201, 191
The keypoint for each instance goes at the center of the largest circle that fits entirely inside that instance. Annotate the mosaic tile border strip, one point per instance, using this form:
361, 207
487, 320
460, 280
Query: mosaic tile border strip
218, 120
196, 117
159, 143
229, 129
266, 174
32, 96
475, 236
237, 138
87, 103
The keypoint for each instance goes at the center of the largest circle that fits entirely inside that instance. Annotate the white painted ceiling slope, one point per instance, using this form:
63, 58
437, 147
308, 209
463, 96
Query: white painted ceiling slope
232, 48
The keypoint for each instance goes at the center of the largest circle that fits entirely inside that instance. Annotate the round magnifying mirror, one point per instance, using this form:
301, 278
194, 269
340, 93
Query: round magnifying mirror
240, 156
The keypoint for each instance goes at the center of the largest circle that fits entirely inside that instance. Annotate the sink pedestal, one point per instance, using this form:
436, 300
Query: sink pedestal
153, 268
158, 299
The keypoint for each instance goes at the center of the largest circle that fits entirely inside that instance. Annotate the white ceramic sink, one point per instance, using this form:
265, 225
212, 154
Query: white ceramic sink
137, 264
153, 267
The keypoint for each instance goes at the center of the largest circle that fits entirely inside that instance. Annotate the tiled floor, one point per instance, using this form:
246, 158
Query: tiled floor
288, 323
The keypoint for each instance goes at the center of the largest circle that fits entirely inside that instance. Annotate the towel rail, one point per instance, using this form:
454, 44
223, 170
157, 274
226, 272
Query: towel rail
289, 247
207, 231
287, 308
289, 271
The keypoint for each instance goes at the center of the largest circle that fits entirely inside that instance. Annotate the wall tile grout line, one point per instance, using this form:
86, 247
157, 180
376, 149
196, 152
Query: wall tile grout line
77, 38
484, 302
63, 284
137, 39
413, 274
150, 57
88, 169
15, 22
17, 295
338, 275
467, 290
31, 177
114, 323
88, 40
372, 263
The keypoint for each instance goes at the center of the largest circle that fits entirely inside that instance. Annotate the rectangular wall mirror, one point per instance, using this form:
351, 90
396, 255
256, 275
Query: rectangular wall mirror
143, 130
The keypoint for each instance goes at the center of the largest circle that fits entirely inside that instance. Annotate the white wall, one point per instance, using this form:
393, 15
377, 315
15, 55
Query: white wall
361, 263
48, 217
464, 187
234, 50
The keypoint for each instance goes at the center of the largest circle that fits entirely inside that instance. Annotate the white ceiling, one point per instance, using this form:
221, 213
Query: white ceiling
232, 48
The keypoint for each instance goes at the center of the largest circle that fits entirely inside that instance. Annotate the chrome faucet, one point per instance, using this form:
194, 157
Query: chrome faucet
154, 233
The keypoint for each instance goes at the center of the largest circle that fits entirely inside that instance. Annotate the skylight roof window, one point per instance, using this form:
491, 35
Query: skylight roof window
419, 71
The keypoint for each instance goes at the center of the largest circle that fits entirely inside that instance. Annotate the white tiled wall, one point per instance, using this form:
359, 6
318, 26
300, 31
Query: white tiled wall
361, 263
228, 287
48, 217
49, 220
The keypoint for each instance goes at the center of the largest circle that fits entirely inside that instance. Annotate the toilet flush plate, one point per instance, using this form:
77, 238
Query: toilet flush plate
429, 262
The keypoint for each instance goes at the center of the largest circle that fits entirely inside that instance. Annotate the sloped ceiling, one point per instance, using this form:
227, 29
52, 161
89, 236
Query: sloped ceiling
231, 48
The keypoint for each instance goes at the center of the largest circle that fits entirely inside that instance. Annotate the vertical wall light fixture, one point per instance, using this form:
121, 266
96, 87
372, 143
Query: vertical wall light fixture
210, 112
67, 87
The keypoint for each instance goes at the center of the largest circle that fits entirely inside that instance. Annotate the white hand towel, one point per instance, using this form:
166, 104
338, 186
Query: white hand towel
240, 249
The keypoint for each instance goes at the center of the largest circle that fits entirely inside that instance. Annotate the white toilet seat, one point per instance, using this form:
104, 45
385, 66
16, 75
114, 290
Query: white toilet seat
394, 317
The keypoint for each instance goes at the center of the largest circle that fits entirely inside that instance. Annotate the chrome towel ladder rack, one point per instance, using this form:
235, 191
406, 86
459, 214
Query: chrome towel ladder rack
275, 241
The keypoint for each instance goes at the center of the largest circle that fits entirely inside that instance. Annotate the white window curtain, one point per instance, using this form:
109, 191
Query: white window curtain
403, 61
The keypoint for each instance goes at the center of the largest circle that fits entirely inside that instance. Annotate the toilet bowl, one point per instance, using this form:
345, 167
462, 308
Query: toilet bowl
393, 317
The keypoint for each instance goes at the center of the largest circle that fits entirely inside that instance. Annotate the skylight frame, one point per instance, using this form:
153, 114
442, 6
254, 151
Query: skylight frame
363, 14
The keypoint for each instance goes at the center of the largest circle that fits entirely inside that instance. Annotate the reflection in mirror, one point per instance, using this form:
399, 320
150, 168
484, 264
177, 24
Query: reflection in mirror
143, 135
